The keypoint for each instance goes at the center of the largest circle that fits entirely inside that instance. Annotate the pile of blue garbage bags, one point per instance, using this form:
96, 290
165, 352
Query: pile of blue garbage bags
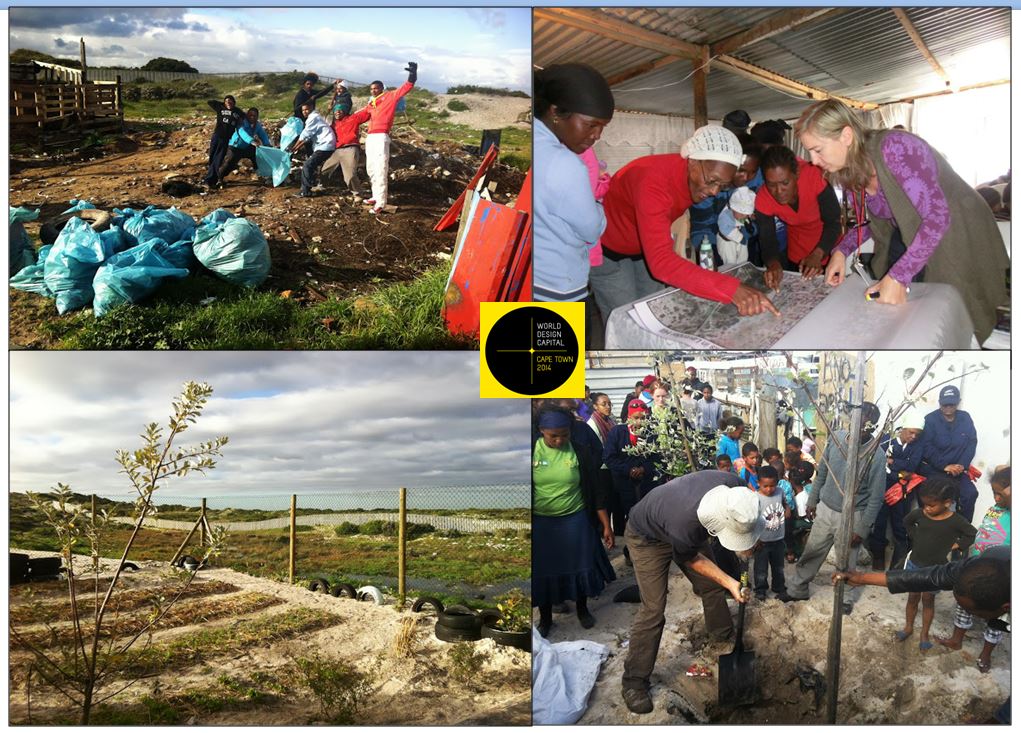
139, 251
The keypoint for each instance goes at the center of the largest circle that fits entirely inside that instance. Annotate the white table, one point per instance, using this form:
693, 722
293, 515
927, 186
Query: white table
933, 318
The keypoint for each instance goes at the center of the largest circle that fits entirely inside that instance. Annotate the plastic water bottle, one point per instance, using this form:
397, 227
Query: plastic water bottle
705, 255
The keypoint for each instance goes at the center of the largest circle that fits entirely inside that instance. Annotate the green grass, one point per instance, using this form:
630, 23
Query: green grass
397, 316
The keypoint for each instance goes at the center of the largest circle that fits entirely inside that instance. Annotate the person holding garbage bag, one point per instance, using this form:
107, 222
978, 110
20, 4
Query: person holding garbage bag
320, 135
243, 143
381, 108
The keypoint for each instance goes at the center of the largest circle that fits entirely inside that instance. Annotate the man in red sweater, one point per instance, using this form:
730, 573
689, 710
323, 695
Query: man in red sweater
345, 127
381, 108
645, 197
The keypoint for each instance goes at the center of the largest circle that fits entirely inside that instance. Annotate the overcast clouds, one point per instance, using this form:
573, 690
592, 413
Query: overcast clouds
482, 46
298, 422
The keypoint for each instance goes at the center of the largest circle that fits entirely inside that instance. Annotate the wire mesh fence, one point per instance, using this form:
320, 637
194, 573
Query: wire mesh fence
466, 541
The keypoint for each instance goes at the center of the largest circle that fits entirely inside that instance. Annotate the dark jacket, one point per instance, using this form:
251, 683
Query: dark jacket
620, 464
302, 97
938, 577
227, 120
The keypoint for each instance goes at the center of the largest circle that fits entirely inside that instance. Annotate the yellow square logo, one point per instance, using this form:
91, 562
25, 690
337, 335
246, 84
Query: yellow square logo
532, 350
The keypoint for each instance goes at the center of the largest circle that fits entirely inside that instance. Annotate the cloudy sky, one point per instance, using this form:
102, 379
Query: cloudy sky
482, 46
298, 422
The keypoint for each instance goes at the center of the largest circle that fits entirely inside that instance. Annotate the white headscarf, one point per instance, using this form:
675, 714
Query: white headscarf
743, 200
713, 142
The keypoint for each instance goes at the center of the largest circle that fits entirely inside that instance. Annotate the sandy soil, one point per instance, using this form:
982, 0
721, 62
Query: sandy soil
326, 246
405, 691
882, 681
484, 112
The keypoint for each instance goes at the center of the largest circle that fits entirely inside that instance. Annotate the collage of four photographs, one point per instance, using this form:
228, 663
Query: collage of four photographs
256, 477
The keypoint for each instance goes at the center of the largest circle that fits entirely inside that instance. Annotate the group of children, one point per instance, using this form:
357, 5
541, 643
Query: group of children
935, 530
783, 482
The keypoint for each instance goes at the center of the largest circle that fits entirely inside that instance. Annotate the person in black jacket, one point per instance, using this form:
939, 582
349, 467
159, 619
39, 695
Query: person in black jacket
569, 518
305, 95
634, 476
228, 119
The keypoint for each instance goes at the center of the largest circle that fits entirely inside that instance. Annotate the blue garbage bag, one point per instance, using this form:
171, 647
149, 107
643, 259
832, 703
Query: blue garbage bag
402, 105
30, 278
20, 249
235, 249
129, 276
72, 263
78, 205
273, 163
114, 240
170, 225
178, 254
216, 216
290, 130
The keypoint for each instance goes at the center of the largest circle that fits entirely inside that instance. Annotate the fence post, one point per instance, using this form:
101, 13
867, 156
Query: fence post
402, 547
202, 520
294, 538
93, 511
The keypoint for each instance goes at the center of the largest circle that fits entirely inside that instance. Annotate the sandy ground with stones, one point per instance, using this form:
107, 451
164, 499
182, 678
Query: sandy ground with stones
881, 680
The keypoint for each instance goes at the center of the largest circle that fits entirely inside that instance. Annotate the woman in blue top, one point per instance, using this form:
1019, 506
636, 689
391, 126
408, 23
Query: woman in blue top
246, 138
573, 104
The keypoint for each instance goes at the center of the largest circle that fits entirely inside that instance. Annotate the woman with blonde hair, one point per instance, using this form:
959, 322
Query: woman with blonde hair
948, 233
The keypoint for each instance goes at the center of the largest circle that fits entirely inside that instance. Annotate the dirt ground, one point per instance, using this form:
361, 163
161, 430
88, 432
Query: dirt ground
415, 691
881, 680
327, 246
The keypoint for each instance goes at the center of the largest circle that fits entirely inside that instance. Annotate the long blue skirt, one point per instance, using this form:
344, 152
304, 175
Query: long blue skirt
568, 559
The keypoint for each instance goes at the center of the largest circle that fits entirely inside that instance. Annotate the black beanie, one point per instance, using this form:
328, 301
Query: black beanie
573, 88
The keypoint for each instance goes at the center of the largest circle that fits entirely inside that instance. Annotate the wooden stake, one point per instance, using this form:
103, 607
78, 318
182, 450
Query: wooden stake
294, 539
402, 547
843, 539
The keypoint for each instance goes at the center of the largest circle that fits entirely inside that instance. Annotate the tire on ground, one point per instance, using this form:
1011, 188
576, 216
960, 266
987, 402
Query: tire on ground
319, 586
419, 603
370, 593
459, 617
343, 590
50, 229
445, 633
517, 639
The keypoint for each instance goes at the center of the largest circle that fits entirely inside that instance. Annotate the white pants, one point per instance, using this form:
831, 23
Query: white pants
377, 164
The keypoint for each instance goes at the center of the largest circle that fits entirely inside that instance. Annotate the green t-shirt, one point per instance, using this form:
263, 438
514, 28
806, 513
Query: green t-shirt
557, 480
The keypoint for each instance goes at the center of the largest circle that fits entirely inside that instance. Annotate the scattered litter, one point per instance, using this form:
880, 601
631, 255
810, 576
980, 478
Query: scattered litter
699, 670
207, 301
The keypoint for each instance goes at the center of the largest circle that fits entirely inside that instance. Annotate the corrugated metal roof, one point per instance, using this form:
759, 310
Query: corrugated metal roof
861, 53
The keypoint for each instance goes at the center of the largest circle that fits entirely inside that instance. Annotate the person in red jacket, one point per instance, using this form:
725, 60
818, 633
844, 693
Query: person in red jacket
796, 193
644, 199
381, 108
345, 127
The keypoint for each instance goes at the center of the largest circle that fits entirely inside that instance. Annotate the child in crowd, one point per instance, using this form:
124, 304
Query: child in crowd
736, 226
794, 443
994, 530
934, 530
728, 444
799, 525
750, 472
723, 463
769, 557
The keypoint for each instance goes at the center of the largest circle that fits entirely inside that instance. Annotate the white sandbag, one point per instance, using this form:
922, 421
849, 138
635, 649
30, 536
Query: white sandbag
563, 675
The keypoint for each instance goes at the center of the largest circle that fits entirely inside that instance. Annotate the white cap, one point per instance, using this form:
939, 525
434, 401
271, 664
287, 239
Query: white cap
912, 419
732, 514
341, 82
713, 142
743, 200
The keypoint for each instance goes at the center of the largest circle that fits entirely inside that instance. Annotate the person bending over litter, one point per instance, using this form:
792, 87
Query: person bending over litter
243, 143
319, 135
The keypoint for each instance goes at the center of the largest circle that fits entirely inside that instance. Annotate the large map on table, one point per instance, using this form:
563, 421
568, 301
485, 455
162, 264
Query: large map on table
701, 323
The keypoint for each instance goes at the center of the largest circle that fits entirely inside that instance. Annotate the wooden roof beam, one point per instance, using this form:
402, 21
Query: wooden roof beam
909, 27
601, 24
782, 83
782, 21
641, 69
